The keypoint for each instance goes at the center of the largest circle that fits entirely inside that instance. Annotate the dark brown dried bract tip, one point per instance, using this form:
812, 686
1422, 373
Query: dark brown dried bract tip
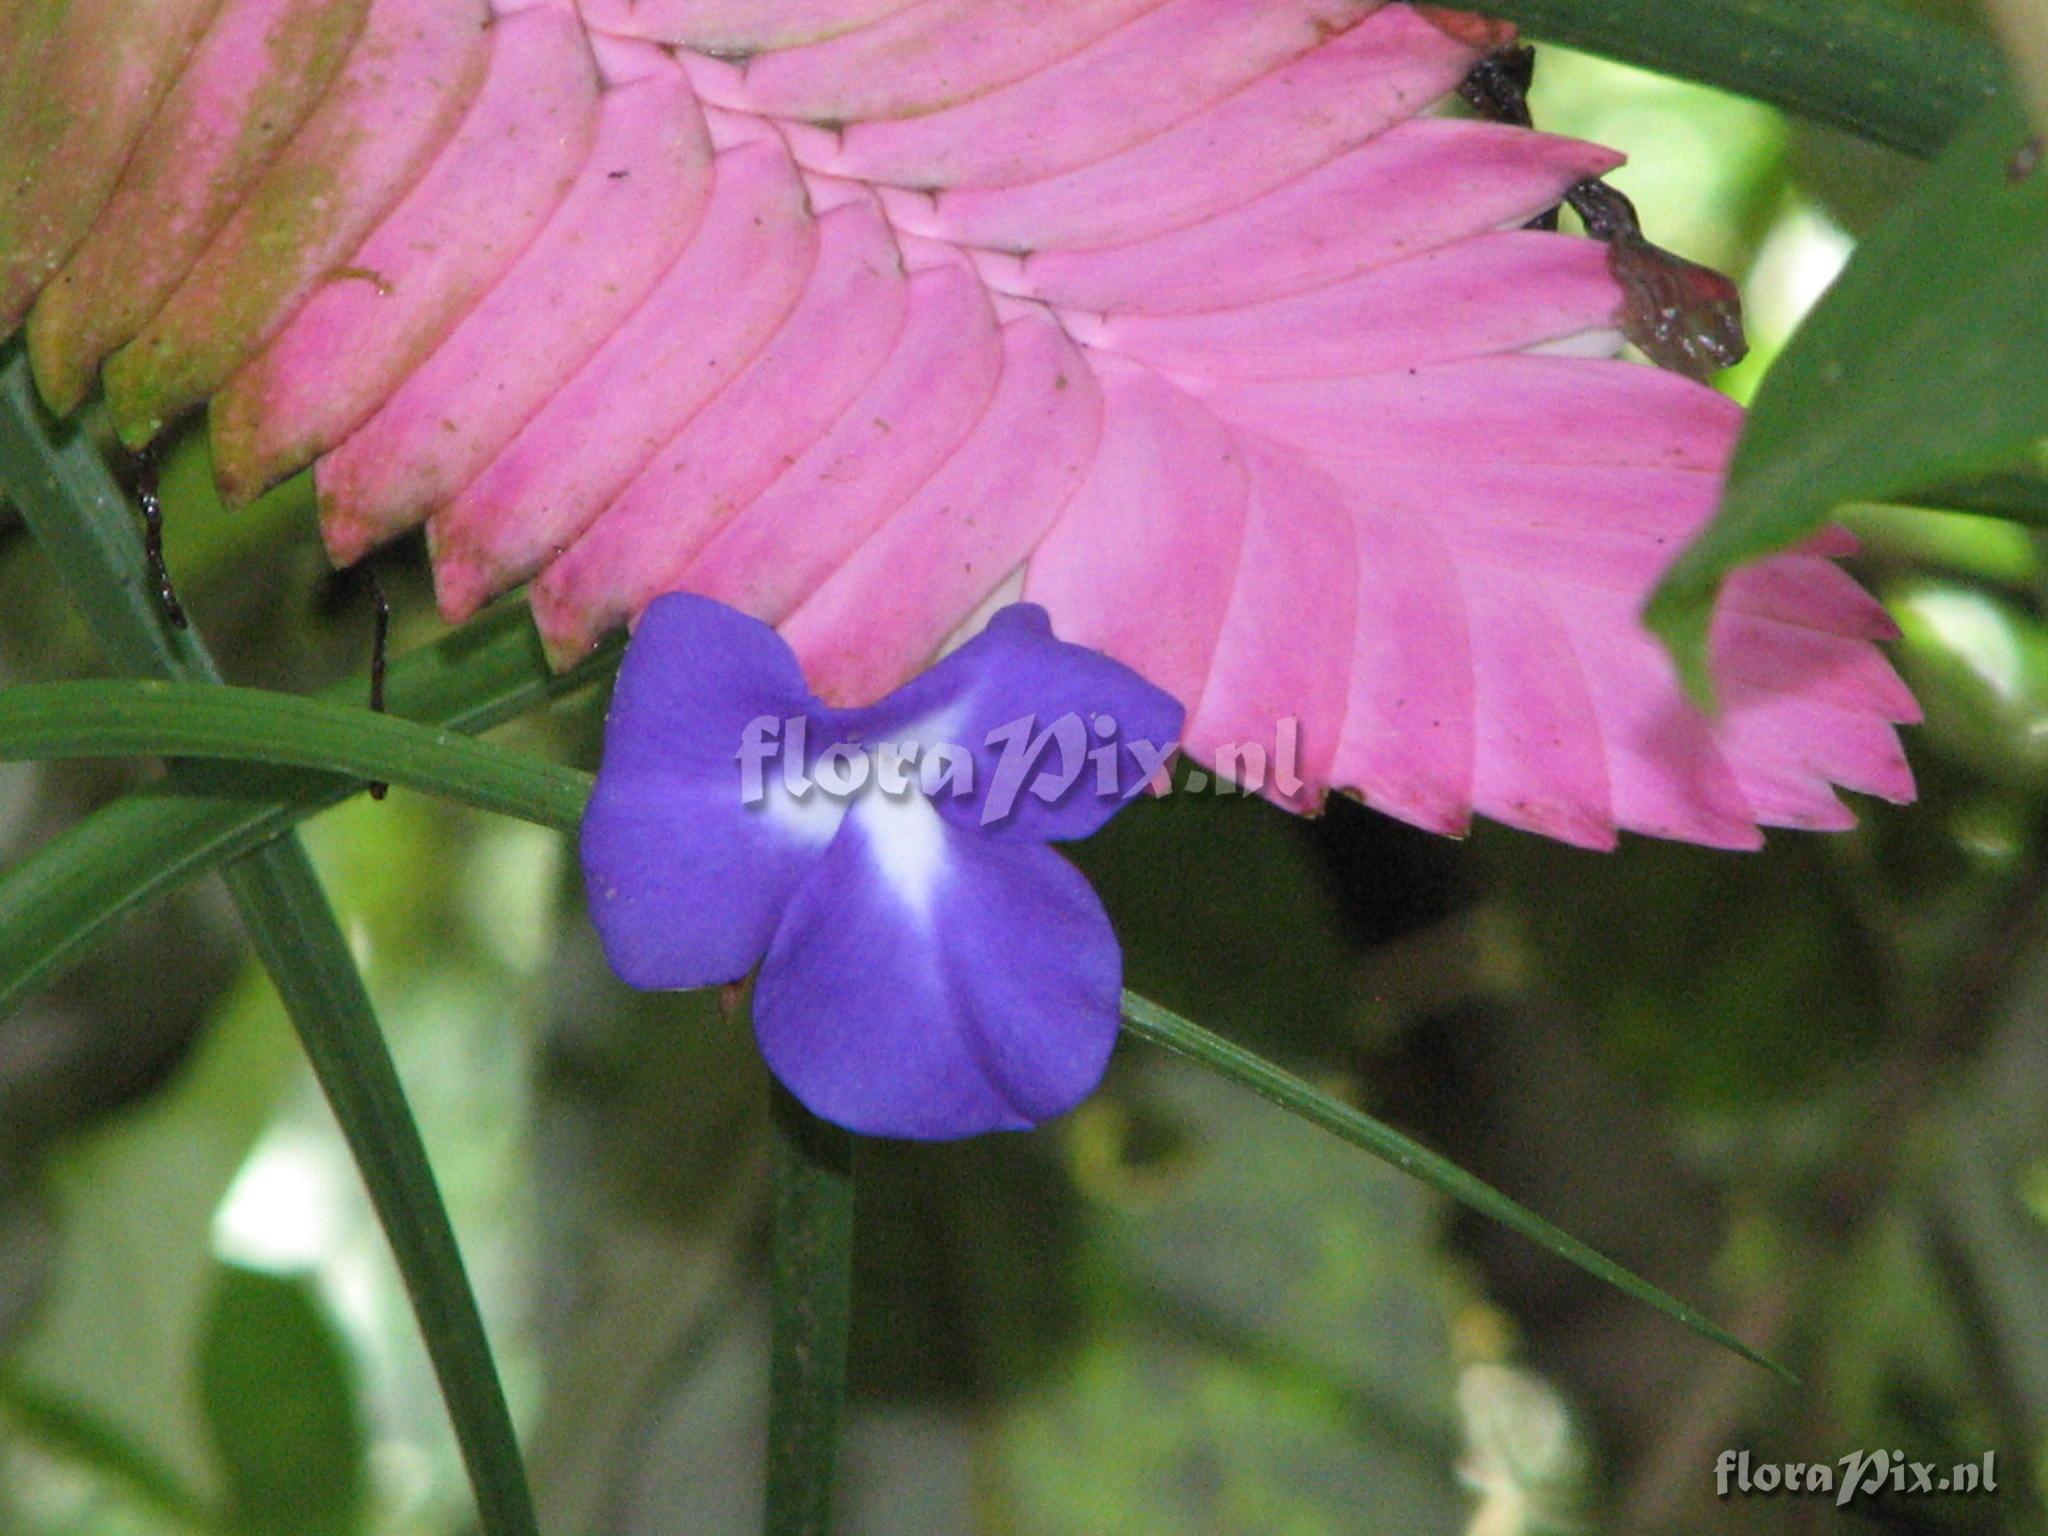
146, 492
380, 657
1498, 86
1685, 317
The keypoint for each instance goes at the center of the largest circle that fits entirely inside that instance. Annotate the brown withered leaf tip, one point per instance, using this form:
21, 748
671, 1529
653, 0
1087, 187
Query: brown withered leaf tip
1683, 316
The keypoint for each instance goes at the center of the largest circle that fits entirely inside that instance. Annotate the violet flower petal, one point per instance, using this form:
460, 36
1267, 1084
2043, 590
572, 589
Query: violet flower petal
1060, 736
931, 983
686, 881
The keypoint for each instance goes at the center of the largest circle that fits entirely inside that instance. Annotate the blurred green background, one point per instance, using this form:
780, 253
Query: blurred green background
1806, 1089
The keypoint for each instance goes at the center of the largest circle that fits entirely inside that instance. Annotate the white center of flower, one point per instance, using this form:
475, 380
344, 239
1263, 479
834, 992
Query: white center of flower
909, 843
812, 819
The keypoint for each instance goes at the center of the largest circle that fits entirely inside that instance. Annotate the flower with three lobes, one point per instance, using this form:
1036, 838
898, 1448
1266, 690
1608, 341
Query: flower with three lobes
928, 967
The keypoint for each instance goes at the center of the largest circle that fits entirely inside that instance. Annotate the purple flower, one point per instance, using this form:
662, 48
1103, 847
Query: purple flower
928, 968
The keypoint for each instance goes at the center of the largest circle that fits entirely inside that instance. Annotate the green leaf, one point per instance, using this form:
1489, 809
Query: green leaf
83, 522
1923, 366
1148, 1021
2018, 495
811, 1266
108, 719
279, 1392
1870, 66
69, 894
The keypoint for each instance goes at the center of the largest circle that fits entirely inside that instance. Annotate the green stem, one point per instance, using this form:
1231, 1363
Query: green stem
207, 720
1869, 66
84, 523
1148, 1021
811, 1266
73, 890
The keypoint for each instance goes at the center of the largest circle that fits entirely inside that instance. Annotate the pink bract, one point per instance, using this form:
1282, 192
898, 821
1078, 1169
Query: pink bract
1187, 319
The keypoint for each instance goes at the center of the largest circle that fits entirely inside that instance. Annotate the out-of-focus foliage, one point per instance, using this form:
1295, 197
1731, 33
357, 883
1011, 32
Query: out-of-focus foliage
1804, 1089
278, 1393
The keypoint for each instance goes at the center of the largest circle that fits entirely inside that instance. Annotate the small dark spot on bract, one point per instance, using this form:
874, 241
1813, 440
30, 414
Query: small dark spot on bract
618, 175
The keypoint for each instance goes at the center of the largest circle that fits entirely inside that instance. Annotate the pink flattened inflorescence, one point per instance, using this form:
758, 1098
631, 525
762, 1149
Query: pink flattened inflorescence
1191, 321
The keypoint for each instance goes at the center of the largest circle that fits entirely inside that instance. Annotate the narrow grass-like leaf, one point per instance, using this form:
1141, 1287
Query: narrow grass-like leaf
83, 523
322, 989
1148, 1021
811, 1265
1924, 365
112, 719
71, 892
1870, 66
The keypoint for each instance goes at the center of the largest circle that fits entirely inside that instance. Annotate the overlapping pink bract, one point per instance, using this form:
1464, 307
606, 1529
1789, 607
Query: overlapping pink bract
1182, 318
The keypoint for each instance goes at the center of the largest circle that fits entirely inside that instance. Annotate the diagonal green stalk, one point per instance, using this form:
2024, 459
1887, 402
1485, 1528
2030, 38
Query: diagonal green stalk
1148, 1021
148, 719
1869, 66
811, 1267
71, 892
84, 524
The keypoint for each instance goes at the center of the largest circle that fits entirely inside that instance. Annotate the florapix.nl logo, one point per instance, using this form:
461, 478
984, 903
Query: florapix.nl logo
1051, 760
1858, 1475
